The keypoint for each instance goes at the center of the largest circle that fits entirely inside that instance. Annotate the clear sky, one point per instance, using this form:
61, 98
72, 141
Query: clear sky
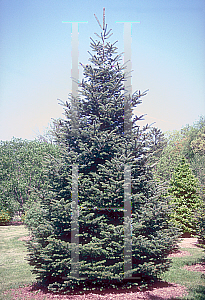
168, 58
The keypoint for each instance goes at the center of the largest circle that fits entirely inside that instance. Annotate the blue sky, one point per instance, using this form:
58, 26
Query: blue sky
168, 58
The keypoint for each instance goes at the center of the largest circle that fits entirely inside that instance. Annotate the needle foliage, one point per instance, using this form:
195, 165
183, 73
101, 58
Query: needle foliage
92, 136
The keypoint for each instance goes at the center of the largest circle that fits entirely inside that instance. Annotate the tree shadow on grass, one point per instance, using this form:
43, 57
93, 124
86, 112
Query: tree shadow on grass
199, 292
117, 290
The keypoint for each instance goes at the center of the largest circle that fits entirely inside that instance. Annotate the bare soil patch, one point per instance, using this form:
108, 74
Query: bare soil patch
16, 223
188, 243
196, 268
25, 238
160, 291
179, 254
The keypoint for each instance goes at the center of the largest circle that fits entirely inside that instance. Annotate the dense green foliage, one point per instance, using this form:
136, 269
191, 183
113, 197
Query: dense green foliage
21, 173
92, 136
5, 217
185, 197
187, 143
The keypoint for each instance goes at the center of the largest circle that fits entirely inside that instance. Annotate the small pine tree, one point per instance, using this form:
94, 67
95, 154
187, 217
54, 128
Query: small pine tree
95, 141
185, 198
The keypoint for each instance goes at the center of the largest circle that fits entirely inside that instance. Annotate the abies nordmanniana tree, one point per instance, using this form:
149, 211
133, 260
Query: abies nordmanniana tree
92, 136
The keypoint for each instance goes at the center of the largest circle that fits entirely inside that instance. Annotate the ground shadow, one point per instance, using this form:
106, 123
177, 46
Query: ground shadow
200, 292
112, 290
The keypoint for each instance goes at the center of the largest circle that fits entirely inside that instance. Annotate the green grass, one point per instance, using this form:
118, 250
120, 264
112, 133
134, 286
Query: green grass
194, 281
15, 270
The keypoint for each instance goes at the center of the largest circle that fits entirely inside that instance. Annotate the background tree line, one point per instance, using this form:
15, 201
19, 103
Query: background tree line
22, 174
22, 161
181, 166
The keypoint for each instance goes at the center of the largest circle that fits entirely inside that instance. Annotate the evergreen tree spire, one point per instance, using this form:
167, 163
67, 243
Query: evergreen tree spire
184, 188
101, 150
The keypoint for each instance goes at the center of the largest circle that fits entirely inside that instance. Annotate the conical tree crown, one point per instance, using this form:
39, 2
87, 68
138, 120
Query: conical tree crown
102, 88
103, 96
92, 136
99, 110
183, 183
185, 197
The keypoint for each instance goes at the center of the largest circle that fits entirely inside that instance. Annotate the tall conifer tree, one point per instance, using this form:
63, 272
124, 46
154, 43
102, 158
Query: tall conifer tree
184, 189
92, 136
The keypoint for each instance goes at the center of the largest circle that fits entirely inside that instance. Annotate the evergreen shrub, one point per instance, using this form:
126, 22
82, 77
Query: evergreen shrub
186, 201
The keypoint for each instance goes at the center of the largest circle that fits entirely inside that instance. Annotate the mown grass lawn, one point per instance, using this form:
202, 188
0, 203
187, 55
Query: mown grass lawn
15, 270
194, 281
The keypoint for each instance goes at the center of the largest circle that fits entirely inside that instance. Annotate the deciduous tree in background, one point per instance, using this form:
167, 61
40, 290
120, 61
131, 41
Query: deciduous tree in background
21, 173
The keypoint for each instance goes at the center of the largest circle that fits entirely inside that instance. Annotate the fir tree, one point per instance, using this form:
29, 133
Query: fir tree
92, 136
185, 197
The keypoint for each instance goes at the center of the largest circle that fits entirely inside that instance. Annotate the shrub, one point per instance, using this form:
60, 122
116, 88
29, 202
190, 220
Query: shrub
5, 217
33, 216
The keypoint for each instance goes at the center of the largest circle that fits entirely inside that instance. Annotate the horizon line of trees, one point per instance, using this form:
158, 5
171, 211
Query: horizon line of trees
21, 163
